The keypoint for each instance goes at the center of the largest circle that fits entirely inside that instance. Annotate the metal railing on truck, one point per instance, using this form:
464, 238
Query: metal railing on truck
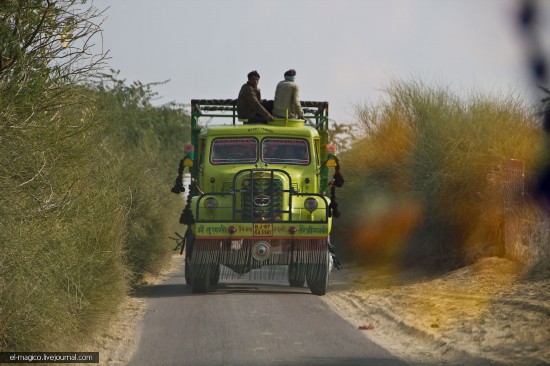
315, 113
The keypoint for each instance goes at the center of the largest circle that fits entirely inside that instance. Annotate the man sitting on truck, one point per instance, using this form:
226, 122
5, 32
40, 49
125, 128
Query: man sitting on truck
249, 106
287, 98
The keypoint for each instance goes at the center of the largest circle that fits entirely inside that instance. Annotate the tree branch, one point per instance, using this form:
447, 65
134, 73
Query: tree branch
38, 27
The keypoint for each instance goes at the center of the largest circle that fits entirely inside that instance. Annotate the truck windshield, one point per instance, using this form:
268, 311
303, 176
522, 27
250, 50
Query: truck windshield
234, 151
285, 151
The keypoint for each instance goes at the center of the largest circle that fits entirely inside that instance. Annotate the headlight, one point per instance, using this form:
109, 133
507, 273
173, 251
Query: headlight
211, 203
311, 204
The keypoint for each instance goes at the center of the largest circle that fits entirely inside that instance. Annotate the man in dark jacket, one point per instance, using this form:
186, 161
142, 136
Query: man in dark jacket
249, 105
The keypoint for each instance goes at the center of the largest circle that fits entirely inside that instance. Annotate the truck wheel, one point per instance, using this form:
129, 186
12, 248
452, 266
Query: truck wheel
186, 268
189, 239
200, 277
296, 275
215, 274
317, 275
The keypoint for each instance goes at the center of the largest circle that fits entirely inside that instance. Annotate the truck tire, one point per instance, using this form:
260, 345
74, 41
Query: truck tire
317, 275
215, 275
296, 275
189, 239
186, 269
200, 277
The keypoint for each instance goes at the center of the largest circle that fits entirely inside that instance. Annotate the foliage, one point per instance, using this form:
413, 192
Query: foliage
50, 40
85, 175
340, 134
148, 143
432, 166
62, 231
78, 231
45, 48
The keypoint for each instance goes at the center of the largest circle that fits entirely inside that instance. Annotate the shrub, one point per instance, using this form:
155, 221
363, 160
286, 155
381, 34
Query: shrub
432, 166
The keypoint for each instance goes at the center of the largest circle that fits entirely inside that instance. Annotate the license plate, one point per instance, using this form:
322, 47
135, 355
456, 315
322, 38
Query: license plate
263, 229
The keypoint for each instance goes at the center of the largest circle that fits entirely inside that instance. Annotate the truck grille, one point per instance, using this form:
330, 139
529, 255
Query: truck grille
262, 198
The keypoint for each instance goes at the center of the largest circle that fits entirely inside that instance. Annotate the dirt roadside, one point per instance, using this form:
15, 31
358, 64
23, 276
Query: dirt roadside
484, 314
118, 342
487, 313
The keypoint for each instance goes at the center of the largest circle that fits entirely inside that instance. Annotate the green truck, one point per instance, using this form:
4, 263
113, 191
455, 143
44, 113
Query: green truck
260, 203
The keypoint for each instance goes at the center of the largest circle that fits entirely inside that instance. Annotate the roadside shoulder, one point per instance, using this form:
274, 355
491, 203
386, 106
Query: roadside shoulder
118, 342
483, 313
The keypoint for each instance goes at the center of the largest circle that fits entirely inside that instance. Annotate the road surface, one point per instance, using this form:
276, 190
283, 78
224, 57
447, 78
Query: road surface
245, 323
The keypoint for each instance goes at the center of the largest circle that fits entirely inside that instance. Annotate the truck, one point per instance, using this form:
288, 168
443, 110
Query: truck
260, 202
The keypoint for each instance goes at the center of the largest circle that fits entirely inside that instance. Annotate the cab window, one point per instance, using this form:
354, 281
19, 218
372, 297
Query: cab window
285, 151
241, 150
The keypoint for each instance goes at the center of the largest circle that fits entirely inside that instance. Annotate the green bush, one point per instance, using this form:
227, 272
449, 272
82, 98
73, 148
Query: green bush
85, 174
85, 210
148, 143
62, 231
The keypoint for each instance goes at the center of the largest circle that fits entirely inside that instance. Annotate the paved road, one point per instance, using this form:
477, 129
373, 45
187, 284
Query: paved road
244, 323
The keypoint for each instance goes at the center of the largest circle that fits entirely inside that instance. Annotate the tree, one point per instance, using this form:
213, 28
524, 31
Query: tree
341, 135
46, 46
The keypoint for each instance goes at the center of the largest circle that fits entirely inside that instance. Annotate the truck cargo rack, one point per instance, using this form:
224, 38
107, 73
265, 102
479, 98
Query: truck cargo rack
315, 113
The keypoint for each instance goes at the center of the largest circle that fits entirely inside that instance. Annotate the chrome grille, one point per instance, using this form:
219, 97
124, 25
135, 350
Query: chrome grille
262, 198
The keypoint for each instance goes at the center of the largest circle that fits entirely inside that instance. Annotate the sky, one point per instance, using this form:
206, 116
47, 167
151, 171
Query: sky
346, 52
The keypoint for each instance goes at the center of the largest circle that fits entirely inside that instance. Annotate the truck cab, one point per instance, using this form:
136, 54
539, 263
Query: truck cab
259, 204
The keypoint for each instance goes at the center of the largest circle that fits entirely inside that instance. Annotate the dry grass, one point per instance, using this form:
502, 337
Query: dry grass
438, 163
480, 313
83, 214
